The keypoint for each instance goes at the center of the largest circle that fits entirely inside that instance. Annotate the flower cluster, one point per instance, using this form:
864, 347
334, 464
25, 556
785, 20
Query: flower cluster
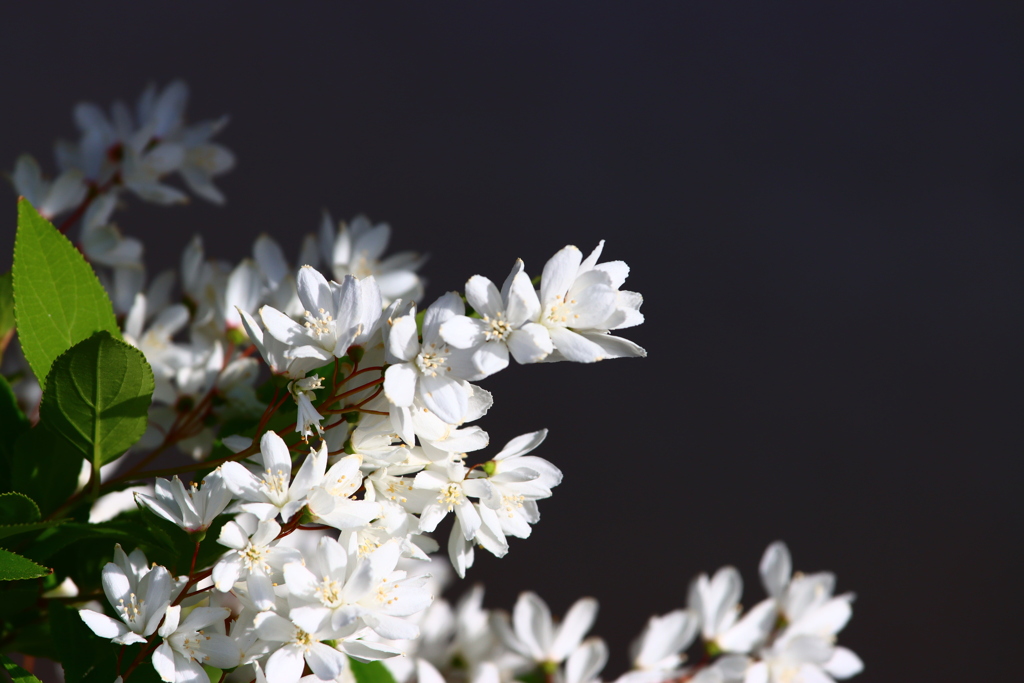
331, 419
788, 637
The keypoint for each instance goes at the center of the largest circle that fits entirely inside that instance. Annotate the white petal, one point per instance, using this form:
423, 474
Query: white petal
532, 621
530, 344
227, 571
844, 664
522, 305
776, 568
573, 628
575, 347
285, 665
325, 661
484, 297
752, 629
163, 662
102, 625
400, 384
559, 273
586, 662
403, 339
462, 332
444, 396
522, 444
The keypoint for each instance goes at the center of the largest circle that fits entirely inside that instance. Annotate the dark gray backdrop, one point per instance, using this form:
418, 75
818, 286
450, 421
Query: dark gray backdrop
822, 205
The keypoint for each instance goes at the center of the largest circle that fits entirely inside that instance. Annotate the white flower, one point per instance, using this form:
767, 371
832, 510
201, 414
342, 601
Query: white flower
103, 243
302, 391
331, 501
391, 595
804, 658
716, 600
296, 648
580, 302
797, 595
254, 560
518, 481
324, 587
190, 644
138, 593
535, 635
505, 323
273, 491
334, 317
148, 146
432, 371
451, 492
357, 249
193, 508
204, 160
49, 198
657, 653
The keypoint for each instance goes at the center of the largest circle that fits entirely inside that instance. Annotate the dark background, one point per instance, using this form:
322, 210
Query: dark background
822, 204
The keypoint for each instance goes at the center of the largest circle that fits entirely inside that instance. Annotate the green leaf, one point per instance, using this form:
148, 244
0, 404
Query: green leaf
14, 567
58, 301
97, 396
17, 508
82, 655
17, 674
15, 529
45, 467
370, 672
6, 303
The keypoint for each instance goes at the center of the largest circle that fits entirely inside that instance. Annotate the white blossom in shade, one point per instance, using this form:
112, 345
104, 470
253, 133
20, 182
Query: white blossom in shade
506, 324
244, 292
796, 595
146, 146
586, 661
296, 648
433, 372
278, 278
143, 167
139, 594
356, 249
331, 500
448, 490
191, 643
204, 160
581, 303
806, 645
535, 636
730, 668
253, 558
518, 481
804, 658
271, 491
103, 243
49, 198
658, 653
716, 600
302, 390
192, 508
